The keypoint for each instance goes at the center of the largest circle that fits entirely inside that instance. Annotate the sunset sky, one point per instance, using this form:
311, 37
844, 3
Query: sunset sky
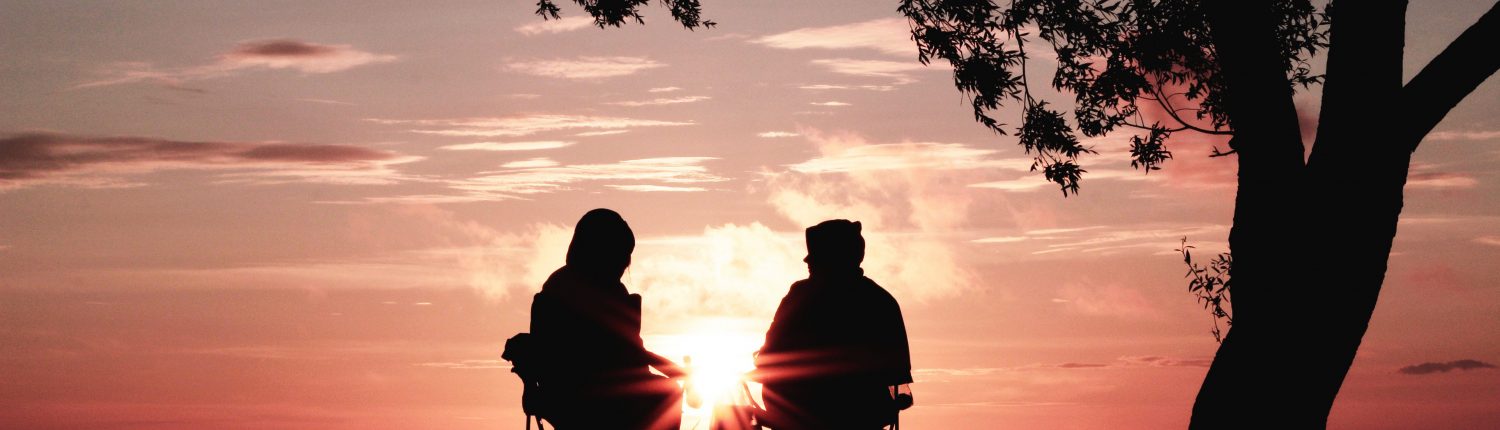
330, 215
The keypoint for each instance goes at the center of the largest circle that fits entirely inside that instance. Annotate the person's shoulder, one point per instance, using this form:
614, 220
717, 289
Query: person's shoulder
877, 291
558, 279
799, 289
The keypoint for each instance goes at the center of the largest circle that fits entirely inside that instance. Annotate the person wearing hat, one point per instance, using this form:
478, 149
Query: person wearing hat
837, 344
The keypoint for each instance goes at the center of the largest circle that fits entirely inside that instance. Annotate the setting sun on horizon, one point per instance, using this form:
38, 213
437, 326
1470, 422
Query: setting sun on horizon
332, 215
719, 353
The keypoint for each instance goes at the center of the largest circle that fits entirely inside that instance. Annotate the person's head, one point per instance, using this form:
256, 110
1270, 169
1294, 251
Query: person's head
835, 244
602, 243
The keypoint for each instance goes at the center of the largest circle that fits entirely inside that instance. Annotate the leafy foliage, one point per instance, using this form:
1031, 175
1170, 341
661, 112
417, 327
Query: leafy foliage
617, 12
1210, 284
1113, 56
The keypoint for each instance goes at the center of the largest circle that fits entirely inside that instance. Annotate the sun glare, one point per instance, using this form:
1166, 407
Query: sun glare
717, 352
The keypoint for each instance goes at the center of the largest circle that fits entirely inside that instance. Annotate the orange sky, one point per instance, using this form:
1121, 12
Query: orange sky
330, 216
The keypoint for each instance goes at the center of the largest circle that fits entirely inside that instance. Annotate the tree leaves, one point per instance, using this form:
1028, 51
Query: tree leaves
1211, 285
1111, 56
1047, 135
1150, 152
616, 12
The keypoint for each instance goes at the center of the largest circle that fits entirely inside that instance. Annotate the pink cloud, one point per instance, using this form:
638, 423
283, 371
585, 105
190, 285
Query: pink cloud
820, 87
509, 146
661, 101
1432, 276
1464, 135
554, 26
523, 125
585, 67
854, 155
668, 172
1107, 299
900, 71
647, 188
101, 162
887, 35
305, 57
1440, 180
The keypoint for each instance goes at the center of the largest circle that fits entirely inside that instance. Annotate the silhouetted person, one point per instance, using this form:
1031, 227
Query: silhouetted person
838, 343
588, 325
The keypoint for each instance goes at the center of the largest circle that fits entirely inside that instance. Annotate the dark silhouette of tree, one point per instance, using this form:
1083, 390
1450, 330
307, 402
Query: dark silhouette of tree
1311, 235
616, 12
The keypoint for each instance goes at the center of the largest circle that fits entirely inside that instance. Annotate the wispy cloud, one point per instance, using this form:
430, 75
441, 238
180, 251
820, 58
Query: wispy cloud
1464, 135
425, 199
601, 133
1000, 239
1105, 299
327, 102
887, 35
657, 188
900, 71
661, 101
628, 175
821, 87
1433, 176
585, 67
1161, 361
530, 163
1159, 238
830, 104
1022, 184
1488, 240
509, 146
1119, 363
777, 134
468, 364
1035, 181
305, 57
1063, 230
554, 26
104, 162
523, 125
663, 89
521, 179
1443, 180
1429, 368
904, 156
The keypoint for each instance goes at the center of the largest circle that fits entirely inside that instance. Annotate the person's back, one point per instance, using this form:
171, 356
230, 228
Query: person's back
596, 372
837, 343
592, 329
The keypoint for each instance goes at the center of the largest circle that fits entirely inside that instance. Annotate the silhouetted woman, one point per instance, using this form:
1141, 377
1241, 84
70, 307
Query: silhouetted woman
597, 373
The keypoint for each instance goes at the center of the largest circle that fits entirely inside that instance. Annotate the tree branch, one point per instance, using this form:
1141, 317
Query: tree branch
1450, 77
1166, 104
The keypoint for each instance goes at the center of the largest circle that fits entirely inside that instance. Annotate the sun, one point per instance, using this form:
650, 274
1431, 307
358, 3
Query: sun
717, 352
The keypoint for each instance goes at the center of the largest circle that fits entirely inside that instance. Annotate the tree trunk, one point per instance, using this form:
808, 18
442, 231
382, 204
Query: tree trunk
1357, 171
1269, 151
1296, 338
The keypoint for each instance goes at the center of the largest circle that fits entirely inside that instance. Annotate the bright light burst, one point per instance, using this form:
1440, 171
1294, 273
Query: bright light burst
721, 351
